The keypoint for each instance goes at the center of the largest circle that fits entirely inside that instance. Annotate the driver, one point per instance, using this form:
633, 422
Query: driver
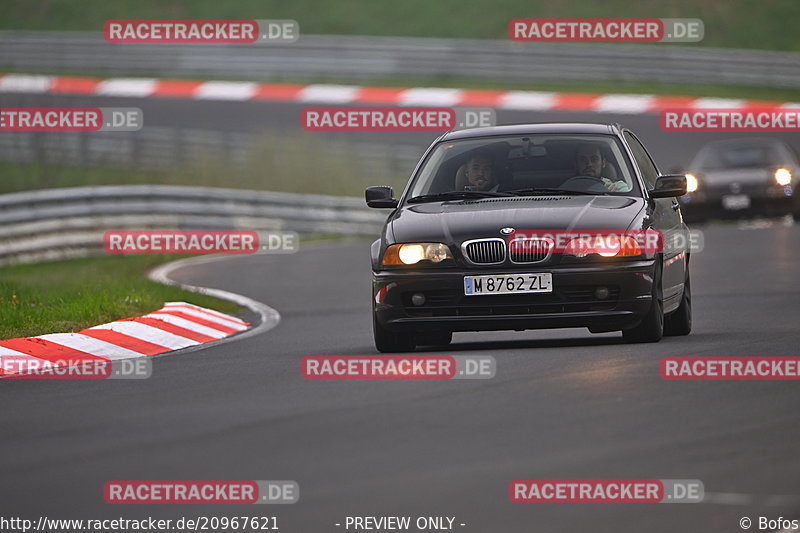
589, 161
479, 173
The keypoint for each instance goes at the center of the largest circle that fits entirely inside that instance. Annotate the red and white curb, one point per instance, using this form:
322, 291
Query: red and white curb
176, 326
350, 94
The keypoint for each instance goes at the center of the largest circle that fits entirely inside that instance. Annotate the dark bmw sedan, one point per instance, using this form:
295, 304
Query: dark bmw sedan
527, 227
743, 176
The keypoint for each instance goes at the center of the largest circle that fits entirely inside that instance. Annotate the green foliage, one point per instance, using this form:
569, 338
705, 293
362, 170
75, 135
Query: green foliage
757, 24
71, 295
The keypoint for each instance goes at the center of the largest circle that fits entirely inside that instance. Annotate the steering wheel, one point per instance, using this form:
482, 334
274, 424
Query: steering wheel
587, 183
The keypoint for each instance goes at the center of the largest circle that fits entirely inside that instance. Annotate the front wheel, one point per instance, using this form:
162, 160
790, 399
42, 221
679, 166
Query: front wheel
389, 341
651, 328
679, 322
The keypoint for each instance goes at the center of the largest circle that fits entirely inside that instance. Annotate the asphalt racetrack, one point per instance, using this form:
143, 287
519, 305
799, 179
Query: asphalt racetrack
564, 404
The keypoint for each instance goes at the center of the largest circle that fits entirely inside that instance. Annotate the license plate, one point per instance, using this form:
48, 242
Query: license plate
733, 202
508, 284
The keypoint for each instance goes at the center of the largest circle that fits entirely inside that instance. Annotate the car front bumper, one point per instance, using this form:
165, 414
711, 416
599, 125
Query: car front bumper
771, 201
574, 301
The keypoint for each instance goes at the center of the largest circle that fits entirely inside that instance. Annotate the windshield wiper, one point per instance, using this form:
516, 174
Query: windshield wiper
455, 195
536, 190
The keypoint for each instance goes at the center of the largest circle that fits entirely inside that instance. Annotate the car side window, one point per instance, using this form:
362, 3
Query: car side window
643, 160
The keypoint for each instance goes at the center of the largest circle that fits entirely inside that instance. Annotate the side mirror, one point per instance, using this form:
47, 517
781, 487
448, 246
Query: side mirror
380, 196
669, 186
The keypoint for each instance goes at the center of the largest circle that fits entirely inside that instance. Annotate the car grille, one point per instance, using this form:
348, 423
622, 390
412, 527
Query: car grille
493, 251
529, 250
485, 251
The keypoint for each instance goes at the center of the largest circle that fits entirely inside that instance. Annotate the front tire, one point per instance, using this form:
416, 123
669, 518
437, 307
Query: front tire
651, 328
679, 322
389, 341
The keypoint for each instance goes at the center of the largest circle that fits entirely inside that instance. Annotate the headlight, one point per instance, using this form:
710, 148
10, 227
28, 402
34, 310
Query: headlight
783, 177
604, 246
413, 253
691, 183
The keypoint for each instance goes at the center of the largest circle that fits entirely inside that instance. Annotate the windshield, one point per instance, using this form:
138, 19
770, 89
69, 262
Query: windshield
740, 156
524, 165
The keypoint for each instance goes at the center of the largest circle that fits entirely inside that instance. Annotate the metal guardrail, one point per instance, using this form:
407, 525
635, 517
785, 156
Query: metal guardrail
151, 148
155, 148
62, 223
357, 58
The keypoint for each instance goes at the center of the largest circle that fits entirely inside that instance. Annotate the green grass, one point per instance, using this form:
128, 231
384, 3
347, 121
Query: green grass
757, 24
71, 295
289, 163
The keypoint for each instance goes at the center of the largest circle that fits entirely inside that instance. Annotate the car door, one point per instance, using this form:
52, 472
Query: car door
667, 219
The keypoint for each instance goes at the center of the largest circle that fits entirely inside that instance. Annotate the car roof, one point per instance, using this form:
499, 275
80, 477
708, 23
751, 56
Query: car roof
535, 129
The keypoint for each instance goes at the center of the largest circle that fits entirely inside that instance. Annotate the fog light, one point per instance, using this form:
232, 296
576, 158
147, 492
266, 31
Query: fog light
418, 299
601, 293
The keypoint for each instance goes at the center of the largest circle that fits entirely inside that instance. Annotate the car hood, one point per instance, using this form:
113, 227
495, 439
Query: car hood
741, 176
457, 221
